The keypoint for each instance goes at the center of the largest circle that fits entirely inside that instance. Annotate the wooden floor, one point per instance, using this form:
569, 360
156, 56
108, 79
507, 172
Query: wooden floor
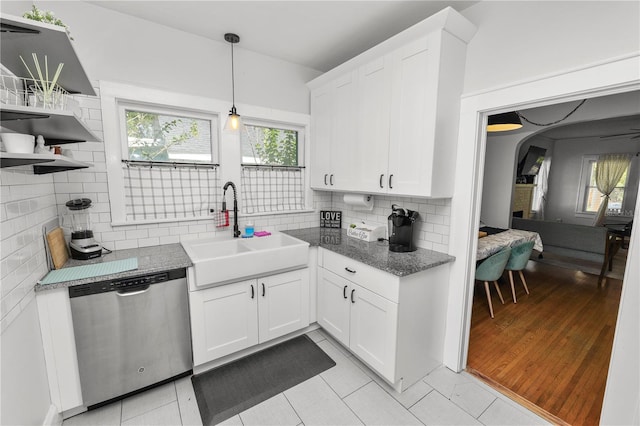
552, 348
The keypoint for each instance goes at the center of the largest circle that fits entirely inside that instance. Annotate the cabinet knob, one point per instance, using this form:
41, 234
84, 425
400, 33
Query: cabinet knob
381, 177
344, 292
352, 292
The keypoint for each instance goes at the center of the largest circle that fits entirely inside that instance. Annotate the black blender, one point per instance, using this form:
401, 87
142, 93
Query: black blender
401, 229
78, 219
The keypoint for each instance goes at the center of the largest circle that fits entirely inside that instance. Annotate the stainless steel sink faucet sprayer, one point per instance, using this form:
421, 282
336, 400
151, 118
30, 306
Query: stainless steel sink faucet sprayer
236, 230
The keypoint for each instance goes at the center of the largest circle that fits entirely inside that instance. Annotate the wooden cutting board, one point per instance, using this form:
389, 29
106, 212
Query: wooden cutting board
58, 247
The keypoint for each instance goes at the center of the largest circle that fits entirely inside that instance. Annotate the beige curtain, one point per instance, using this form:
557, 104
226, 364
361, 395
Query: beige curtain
609, 170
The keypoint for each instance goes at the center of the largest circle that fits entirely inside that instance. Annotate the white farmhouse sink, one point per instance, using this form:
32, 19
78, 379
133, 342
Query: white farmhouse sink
226, 259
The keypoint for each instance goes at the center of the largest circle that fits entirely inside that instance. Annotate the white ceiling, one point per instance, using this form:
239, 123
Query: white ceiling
321, 34
607, 129
317, 34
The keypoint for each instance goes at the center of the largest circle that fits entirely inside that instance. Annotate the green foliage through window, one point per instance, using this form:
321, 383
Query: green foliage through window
161, 137
269, 146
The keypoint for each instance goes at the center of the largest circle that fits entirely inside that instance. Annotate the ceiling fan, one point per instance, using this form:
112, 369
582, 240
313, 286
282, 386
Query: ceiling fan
635, 132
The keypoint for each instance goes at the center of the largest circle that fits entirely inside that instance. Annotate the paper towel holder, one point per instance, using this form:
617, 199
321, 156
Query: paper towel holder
359, 202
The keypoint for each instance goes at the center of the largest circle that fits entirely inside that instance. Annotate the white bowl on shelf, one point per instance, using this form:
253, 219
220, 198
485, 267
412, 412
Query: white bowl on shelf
18, 143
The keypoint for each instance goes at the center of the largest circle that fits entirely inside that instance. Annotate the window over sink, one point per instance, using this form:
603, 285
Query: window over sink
273, 177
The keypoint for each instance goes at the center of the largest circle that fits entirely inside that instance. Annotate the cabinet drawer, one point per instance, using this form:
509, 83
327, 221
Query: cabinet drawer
375, 280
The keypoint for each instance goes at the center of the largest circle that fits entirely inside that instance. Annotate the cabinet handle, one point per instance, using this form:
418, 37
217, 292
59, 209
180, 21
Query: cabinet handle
263, 290
344, 292
349, 270
381, 176
390, 177
331, 180
325, 178
252, 291
353, 291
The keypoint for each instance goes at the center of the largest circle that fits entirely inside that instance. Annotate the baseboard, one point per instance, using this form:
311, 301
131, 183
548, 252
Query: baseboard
53, 418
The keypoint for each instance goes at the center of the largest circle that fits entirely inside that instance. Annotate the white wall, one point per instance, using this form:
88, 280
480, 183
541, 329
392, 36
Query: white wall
115, 47
27, 202
502, 149
564, 177
520, 40
25, 390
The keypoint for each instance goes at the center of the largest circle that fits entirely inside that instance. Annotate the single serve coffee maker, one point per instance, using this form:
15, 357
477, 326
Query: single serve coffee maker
78, 219
401, 223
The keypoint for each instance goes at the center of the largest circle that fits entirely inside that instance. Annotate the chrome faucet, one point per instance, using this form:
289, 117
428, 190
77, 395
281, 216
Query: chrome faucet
236, 230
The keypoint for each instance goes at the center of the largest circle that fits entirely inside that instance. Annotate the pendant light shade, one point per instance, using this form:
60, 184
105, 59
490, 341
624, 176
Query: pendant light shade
504, 122
234, 122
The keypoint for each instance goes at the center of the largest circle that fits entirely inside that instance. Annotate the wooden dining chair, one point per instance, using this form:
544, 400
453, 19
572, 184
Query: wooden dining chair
491, 269
517, 261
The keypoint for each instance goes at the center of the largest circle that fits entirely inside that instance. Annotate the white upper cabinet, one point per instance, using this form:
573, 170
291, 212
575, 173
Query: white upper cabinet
389, 117
373, 108
333, 129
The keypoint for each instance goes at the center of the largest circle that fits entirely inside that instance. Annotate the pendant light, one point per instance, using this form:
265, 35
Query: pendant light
504, 122
234, 122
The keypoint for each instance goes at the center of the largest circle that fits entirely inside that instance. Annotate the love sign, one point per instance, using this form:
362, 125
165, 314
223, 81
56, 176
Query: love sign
330, 219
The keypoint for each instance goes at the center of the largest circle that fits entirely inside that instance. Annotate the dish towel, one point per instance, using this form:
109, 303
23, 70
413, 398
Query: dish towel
88, 271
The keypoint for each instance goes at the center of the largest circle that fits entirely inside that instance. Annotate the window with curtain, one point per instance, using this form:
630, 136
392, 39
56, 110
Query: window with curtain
168, 162
590, 198
273, 178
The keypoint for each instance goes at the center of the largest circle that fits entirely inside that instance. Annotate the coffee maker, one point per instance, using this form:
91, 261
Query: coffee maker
401, 224
78, 219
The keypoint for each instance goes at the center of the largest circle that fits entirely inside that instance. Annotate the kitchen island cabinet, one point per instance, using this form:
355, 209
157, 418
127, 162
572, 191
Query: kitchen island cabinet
231, 317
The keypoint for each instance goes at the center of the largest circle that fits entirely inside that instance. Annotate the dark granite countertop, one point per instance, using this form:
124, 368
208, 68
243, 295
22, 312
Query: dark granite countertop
150, 260
374, 254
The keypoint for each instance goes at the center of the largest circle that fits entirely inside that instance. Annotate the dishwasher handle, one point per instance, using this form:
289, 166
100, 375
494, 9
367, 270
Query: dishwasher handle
132, 291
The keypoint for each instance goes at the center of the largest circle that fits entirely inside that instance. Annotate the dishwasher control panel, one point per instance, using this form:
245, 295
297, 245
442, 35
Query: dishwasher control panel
125, 283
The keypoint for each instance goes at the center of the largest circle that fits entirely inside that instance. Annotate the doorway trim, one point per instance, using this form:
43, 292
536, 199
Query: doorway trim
617, 75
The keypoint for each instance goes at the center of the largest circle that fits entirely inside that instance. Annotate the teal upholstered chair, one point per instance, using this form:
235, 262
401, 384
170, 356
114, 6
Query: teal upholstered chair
490, 270
517, 262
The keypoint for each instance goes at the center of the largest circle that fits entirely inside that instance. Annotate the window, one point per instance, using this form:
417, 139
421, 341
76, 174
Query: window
163, 137
590, 198
272, 168
271, 146
161, 154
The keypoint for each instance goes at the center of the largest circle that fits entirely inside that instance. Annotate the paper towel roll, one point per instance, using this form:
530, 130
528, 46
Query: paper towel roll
359, 202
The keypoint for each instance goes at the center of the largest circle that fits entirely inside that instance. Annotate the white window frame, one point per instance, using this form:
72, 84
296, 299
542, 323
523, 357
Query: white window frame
283, 126
585, 176
114, 97
282, 120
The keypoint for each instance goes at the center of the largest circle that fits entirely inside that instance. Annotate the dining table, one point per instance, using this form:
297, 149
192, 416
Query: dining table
493, 243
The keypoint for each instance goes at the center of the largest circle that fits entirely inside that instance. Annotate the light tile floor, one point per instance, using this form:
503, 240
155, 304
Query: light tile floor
347, 394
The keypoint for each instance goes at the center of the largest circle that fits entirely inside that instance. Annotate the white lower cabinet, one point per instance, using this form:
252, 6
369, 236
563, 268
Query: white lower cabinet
393, 324
231, 317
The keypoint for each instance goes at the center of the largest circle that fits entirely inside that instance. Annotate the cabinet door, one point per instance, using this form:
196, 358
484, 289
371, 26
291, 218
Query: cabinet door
344, 135
374, 103
333, 305
321, 128
283, 303
224, 320
413, 100
373, 330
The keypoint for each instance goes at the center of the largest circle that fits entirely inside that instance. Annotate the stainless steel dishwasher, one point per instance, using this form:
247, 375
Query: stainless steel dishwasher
131, 334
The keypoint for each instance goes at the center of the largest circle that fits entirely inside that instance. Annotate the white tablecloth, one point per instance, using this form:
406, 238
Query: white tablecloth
511, 237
